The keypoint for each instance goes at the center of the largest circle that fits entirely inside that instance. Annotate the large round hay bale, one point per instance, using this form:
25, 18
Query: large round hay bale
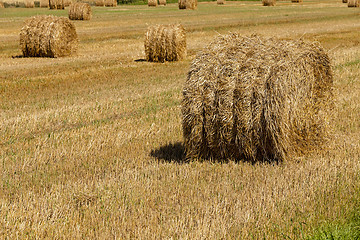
152, 3
188, 4
48, 36
256, 99
165, 43
56, 4
353, 3
269, 2
162, 2
220, 2
80, 11
110, 3
29, 4
44, 3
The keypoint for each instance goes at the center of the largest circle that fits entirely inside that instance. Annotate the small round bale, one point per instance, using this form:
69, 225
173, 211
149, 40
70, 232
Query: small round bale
344, 1
269, 2
44, 3
296, 1
188, 4
165, 43
220, 2
152, 3
353, 3
99, 3
110, 3
80, 11
29, 4
48, 36
256, 99
182, 4
56, 4
2, 5
162, 2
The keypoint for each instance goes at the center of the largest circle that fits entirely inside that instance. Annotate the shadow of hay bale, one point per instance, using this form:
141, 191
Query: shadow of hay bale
170, 153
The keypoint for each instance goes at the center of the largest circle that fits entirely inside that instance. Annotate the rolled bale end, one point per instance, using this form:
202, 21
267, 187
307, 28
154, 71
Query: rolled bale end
165, 43
220, 2
44, 3
162, 2
191, 4
110, 3
256, 99
80, 11
152, 3
29, 4
99, 3
48, 36
353, 3
269, 2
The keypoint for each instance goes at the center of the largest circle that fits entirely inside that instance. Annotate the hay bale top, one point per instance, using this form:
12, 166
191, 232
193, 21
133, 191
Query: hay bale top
257, 99
48, 36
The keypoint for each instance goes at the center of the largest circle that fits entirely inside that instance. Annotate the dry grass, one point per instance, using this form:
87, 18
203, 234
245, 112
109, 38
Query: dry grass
48, 36
91, 145
256, 98
80, 11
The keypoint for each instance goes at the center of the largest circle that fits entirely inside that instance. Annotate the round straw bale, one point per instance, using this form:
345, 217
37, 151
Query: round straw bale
67, 3
182, 4
256, 99
44, 3
165, 43
220, 2
80, 11
99, 3
110, 3
269, 2
29, 3
162, 2
344, 1
48, 36
152, 3
56, 4
353, 3
2, 5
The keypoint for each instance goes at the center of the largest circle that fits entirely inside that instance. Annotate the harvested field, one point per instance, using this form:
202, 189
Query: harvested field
92, 147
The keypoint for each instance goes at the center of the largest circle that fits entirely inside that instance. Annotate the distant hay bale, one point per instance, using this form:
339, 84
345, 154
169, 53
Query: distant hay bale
188, 4
256, 99
162, 2
165, 43
269, 2
29, 3
2, 5
344, 1
67, 3
48, 36
297, 1
99, 3
353, 3
80, 11
110, 3
152, 3
220, 2
56, 4
44, 3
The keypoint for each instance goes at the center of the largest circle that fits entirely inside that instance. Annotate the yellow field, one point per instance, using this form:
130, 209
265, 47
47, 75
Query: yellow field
91, 145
